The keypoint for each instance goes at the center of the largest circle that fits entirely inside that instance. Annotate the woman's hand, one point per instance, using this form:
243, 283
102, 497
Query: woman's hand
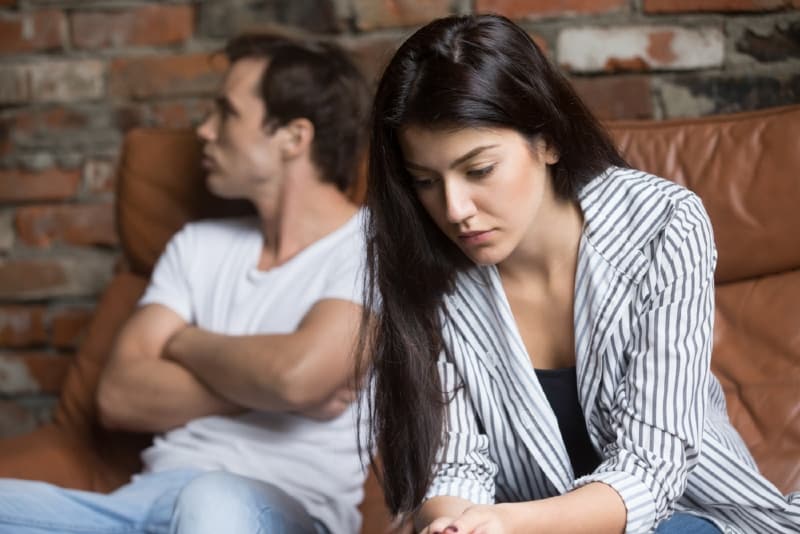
437, 526
478, 519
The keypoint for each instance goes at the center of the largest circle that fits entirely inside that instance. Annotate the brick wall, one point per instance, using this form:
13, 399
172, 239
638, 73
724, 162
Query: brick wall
76, 74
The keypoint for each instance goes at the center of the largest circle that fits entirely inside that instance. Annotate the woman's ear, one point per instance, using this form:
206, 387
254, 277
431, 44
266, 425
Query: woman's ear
549, 152
551, 155
298, 135
545, 150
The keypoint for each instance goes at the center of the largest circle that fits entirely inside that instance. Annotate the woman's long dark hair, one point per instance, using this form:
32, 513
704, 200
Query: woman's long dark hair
470, 71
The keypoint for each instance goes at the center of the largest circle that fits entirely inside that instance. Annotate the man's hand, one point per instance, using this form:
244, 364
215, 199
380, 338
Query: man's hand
332, 407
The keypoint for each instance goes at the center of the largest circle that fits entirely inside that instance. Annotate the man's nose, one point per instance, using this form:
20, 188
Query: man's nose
207, 130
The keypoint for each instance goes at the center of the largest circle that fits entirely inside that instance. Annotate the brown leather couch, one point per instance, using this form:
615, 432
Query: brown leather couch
746, 167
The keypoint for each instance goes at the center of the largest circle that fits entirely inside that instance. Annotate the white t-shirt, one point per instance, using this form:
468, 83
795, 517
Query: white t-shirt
208, 275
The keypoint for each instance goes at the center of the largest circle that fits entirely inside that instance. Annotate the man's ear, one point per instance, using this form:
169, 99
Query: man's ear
298, 134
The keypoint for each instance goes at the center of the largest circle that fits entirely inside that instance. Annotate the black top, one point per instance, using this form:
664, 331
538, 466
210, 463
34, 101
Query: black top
561, 389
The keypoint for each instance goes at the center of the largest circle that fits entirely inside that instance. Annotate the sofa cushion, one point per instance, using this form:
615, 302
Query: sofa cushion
757, 359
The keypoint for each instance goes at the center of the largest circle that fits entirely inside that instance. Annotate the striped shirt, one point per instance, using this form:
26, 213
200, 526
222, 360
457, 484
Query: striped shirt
643, 318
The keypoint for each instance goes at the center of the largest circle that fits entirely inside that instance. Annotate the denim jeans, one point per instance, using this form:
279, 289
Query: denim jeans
171, 502
681, 523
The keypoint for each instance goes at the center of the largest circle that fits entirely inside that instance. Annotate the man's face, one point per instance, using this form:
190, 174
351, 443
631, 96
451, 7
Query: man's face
241, 154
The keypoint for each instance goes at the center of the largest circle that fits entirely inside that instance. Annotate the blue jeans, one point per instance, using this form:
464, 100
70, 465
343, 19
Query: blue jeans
681, 523
171, 502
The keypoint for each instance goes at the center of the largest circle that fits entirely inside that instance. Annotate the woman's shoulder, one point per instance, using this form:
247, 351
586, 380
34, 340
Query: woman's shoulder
625, 201
625, 188
633, 211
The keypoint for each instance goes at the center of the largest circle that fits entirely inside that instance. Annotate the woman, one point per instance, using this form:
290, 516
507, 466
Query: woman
543, 319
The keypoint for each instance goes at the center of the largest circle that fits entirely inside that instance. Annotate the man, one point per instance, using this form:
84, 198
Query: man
240, 352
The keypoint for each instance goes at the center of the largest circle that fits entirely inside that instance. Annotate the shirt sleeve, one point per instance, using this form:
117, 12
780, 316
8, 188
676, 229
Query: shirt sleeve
345, 279
464, 468
661, 402
169, 284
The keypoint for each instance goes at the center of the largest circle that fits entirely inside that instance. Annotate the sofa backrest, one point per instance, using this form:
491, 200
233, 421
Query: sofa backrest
746, 168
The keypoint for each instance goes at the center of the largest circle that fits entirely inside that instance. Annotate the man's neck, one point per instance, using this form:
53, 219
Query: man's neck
306, 211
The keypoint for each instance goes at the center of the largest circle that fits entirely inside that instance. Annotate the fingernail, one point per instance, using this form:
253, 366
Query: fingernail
451, 529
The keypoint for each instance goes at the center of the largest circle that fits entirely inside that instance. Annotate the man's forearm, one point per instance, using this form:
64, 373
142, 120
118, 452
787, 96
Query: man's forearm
236, 368
155, 395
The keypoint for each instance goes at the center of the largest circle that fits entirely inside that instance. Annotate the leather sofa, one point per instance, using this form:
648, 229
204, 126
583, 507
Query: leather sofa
746, 168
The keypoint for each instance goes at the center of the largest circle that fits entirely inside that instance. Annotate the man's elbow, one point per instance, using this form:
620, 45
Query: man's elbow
302, 388
111, 407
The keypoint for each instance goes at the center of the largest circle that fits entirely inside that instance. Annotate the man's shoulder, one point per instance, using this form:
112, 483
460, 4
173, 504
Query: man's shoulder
346, 240
204, 232
221, 227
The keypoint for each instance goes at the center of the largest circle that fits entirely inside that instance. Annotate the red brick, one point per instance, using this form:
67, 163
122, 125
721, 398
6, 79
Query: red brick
194, 74
50, 184
616, 97
32, 32
23, 278
518, 9
148, 25
29, 122
25, 127
78, 224
22, 326
32, 372
178, 114
690, 6
68, 327
374, 14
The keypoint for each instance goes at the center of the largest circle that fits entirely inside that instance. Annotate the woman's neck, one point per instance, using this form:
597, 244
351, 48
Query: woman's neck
549, 250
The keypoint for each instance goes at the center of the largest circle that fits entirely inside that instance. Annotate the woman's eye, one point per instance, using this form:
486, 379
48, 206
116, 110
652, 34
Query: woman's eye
480, 173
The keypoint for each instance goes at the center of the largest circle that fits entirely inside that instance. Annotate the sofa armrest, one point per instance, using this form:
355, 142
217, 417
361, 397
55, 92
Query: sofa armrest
49, 454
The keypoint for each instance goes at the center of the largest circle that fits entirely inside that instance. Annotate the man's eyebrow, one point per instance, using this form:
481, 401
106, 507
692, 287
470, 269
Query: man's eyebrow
456, 162
224, 103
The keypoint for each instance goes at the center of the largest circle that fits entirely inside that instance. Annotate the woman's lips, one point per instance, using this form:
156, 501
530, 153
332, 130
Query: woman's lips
475, 238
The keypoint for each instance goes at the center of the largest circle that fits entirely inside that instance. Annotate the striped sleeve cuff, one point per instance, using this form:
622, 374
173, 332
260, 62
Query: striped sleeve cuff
470, 490
637, 497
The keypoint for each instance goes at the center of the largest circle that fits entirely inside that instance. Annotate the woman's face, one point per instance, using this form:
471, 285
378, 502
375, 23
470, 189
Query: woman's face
483, 187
